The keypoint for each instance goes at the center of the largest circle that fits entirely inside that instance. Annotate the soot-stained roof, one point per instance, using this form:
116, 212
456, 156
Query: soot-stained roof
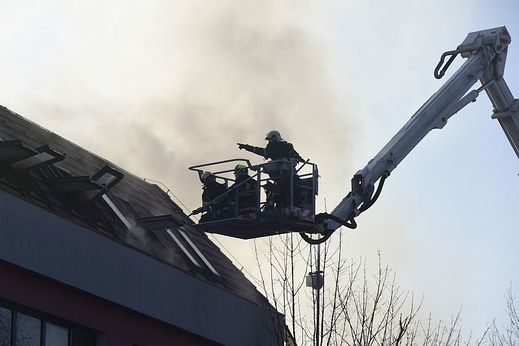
183, 247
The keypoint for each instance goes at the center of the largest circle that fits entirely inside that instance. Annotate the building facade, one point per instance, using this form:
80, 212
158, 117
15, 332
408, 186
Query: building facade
93, 255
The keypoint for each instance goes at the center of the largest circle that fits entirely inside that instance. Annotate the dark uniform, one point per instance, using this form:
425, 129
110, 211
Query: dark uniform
244, 193
212, 190
215, 205
280, 172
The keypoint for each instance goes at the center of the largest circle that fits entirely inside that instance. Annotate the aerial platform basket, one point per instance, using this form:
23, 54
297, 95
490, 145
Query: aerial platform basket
284, 195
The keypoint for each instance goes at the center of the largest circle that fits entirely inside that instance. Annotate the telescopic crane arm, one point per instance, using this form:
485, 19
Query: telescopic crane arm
485, 52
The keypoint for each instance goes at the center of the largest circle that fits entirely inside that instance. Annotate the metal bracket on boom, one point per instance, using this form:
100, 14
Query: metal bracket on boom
439, 72
513, 111
465, 100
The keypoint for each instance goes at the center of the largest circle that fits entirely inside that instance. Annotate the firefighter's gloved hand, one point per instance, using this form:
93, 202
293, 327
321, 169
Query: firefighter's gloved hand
241, 146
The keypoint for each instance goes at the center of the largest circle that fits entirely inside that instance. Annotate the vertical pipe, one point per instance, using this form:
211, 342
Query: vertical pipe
258, 196
318, 294
291, 203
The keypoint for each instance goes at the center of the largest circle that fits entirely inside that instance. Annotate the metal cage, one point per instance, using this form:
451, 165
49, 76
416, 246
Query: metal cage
276, 197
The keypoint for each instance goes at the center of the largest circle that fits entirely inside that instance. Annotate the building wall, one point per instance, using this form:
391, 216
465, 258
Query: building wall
73, 257
44, 298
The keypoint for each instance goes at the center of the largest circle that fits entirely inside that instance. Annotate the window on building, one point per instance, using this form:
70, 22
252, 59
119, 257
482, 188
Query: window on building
20, 329
117, 212
106, 178
81, 337
55, 335
5, 327
27, 330
183, 248
191, 250
198, 253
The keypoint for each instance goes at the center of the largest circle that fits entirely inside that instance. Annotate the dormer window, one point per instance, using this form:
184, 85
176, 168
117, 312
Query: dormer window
22, 157
116, 210
191, 250
107, 178
173, 227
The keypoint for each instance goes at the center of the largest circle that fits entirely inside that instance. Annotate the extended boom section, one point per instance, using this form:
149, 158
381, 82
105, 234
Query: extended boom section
486, 56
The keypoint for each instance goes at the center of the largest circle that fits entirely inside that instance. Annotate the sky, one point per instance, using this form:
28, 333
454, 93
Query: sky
157, 86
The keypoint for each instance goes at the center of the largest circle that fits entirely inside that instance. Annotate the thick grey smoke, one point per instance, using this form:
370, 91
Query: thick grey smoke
207, 76
247, 68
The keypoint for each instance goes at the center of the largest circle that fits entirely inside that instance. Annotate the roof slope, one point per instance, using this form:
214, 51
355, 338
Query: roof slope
135, 198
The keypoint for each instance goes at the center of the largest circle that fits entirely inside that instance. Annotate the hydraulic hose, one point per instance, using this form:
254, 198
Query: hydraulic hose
368, 204
316, 241
350, 222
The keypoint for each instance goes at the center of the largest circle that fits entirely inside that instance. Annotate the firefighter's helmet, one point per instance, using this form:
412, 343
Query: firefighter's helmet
273, 136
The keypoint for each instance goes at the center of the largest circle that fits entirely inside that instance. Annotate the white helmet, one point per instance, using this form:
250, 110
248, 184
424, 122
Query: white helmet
273, 136
206, 176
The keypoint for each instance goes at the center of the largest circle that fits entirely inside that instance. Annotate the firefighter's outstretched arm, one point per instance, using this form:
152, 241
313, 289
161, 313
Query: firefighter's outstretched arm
485, 52
252, 149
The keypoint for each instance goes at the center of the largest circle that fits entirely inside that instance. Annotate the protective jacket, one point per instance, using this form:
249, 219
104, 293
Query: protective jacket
212, 190
244, 193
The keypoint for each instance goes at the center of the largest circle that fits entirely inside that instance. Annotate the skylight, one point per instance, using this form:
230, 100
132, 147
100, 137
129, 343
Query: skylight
33, 161
14, 151
106, 178
199, 253
183, 248
117, 212
24, 157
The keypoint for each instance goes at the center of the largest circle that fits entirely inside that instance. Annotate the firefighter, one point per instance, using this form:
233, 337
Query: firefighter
281, 170
244, 193
214, 200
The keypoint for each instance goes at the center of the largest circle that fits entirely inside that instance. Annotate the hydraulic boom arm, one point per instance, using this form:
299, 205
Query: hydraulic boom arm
486, 56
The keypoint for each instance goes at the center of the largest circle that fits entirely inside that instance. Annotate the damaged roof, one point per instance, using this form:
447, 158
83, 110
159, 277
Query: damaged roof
65, 179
